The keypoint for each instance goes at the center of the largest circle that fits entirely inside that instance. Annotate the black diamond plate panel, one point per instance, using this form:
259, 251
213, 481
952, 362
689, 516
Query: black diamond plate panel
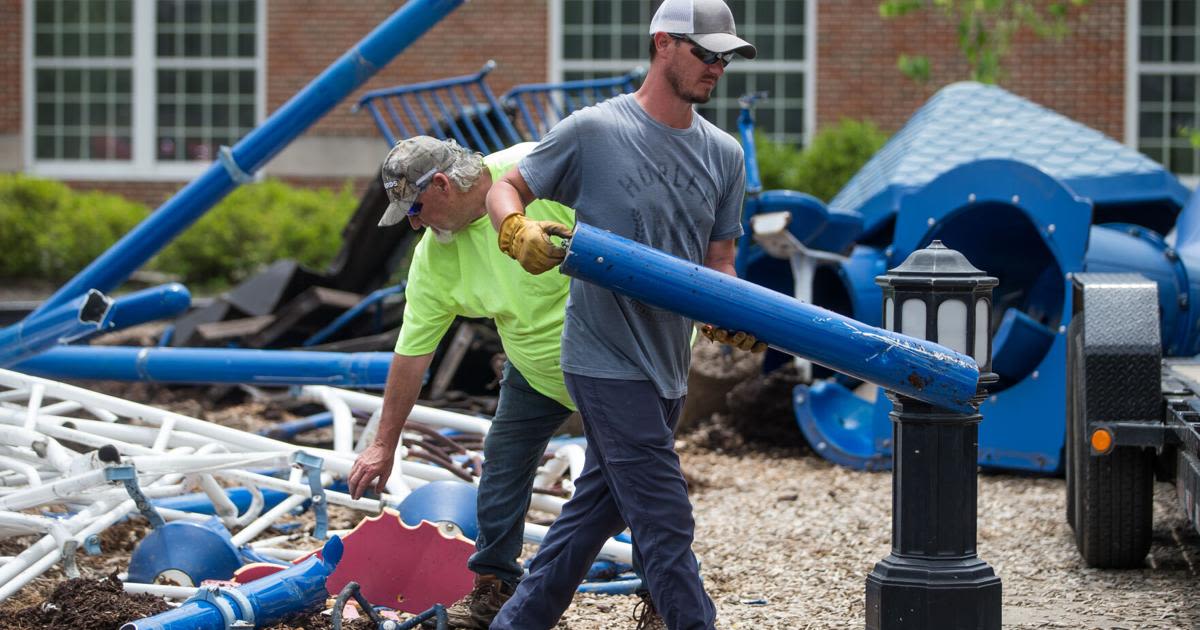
1121, 345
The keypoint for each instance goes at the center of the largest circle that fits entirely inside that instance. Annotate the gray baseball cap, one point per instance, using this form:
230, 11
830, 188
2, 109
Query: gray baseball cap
407, 171
709, 23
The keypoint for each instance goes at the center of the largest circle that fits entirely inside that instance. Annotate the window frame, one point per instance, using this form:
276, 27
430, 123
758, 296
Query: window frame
144, 164
1134, 69
557, 66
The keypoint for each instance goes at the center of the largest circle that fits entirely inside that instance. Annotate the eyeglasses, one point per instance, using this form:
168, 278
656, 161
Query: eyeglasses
421, 184
706, 56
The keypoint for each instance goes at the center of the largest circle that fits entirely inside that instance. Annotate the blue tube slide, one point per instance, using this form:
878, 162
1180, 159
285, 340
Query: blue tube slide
265, 368
73, 320
913, 367
259, 604
236, 166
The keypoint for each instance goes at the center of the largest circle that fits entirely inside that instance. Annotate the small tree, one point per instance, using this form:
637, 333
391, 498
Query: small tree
985, 29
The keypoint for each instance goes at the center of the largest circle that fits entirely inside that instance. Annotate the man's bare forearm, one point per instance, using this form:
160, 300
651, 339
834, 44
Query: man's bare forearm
400, 394
507, 196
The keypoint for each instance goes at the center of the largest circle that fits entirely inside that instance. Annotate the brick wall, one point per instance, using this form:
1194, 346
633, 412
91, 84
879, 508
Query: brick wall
307, 35
11, 19
1082, 77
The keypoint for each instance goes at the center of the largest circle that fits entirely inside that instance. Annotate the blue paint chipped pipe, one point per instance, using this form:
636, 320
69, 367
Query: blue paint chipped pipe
238, 164
73, 320
264, 368
916, 368
261, 603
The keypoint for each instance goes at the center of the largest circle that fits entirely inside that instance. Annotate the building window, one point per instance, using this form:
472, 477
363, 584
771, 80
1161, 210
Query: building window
1168, 37
83, 78
599, 38
141, 89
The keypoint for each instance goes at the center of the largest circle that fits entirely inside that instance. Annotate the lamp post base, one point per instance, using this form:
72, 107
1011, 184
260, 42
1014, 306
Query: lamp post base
920, 593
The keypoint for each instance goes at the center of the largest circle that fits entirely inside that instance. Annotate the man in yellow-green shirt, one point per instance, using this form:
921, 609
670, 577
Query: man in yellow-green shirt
457, 270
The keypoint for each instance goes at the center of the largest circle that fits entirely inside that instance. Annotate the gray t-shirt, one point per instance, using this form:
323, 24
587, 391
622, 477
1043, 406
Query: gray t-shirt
675, 190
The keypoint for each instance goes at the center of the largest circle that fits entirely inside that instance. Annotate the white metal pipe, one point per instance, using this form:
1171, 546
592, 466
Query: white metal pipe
419, 413
193, 464
302, 490
164, 435
613, 549
222, 504
35, 404
54, 491
29, 471
268, 518
160, 590
45, 447
343, 420
279, 553
546, 503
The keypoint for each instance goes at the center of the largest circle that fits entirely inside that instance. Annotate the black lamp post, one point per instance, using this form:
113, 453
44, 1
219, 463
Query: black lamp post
934, 579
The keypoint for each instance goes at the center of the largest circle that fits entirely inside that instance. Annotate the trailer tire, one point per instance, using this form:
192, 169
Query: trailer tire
1110, 497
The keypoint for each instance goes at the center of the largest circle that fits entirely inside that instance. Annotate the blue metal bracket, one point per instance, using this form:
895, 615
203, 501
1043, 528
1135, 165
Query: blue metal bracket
236, 173
216, 596
91, 545
311, 464
127, 475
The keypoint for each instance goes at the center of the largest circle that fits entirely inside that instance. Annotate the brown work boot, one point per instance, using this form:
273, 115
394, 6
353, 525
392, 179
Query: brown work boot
646, 615
476, 609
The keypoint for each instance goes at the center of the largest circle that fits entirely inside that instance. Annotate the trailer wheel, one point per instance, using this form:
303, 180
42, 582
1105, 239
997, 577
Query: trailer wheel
1110, 497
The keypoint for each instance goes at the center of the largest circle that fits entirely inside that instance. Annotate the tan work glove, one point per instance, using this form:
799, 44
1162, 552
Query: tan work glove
737, 339
528, 242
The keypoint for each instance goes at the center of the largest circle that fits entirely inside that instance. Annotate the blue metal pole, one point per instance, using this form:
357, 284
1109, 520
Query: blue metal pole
919, 369
73, 320
279, 368
258, 604
237, 165
289, 430
348, 316
148, 305
745, 123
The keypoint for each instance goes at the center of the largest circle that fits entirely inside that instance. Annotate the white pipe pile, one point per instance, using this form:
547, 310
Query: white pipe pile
58, 443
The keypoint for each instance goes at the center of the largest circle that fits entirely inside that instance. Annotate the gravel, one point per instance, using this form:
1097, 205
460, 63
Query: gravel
786, 540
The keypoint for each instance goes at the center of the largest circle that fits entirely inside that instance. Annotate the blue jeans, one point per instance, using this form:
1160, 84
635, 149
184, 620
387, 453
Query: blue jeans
632, 476
525, 421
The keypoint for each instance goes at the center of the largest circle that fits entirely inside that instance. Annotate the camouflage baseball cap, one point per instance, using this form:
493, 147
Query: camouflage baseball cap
407, 171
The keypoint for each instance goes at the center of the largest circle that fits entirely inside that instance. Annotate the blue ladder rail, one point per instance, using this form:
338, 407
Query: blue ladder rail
537, 107
463, 108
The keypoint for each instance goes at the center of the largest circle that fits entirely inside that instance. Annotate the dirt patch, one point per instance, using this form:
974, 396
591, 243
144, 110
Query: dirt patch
85, 604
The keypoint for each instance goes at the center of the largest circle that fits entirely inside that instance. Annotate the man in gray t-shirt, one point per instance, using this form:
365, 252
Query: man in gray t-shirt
646, 167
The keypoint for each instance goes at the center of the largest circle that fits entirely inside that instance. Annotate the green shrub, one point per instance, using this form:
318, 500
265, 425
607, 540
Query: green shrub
48, 231
823, 167
256, 225
51, 232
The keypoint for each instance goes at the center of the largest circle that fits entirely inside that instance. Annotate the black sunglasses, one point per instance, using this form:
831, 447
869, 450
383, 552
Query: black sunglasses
706, 56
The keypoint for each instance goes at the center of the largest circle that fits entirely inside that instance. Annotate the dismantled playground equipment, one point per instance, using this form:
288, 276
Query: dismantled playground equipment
1021, 191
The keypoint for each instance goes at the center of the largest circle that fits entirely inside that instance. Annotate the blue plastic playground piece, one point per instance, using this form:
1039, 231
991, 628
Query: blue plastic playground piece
966, 122
443, 502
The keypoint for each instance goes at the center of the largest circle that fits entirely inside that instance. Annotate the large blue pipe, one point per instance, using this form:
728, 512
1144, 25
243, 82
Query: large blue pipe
916, 368
292, 119
74, 320
279, 368
258, 604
